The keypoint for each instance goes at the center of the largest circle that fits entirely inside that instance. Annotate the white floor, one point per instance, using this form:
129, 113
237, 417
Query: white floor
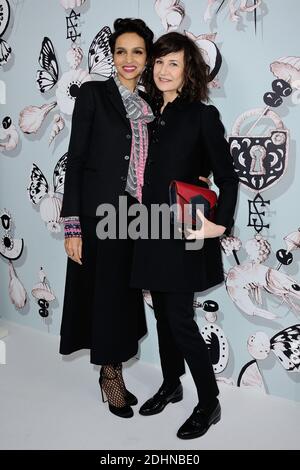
50, 402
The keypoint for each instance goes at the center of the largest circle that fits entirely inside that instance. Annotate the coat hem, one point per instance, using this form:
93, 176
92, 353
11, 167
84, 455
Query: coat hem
97, 361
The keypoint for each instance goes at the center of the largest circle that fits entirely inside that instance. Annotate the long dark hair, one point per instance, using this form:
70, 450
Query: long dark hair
196, 71
131, 25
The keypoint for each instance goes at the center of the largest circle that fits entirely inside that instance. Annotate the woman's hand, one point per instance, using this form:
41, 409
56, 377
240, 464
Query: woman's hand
73, 247
206, 180
208, 229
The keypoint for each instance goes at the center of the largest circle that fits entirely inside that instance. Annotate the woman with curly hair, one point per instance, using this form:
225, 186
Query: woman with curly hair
187, 141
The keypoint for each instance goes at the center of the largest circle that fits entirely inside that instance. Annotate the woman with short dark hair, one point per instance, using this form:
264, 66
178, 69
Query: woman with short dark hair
187, 141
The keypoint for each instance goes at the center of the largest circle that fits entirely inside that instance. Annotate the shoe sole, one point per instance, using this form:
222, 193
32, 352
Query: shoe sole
174, 400
115, 413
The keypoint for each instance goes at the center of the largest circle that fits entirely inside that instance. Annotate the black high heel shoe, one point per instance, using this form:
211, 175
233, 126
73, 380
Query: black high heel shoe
112, 393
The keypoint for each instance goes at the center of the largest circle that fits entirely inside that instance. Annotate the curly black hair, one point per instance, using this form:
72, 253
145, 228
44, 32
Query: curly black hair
131, 25
196, 71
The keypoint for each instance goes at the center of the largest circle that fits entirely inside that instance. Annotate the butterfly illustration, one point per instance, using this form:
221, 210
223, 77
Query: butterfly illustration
48, 77
100, 60
286, 346
39, 192
32, 117
5, 49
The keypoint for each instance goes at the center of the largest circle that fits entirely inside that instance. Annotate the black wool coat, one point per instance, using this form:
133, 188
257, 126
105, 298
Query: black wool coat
187, 141
101, 312
99, 150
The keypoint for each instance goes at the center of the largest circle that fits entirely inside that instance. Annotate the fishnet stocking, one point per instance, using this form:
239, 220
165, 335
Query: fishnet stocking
112, 385
118, 370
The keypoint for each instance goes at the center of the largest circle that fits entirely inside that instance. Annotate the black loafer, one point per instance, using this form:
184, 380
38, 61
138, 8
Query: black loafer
199, 422
159, 401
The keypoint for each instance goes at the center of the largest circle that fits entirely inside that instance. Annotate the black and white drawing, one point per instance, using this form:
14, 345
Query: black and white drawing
50, 200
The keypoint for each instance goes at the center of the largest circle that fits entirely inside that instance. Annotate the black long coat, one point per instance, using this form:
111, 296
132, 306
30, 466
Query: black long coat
187, 141
99, 150
101, 312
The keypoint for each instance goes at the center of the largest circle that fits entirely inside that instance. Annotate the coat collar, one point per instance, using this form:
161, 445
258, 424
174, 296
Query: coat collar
179, 104
116, 99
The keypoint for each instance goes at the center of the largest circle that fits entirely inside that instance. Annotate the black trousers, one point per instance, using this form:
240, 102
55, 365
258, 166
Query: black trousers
179, 339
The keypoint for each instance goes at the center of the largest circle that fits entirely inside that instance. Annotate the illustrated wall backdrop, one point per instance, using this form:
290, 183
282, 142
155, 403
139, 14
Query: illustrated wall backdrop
48, 48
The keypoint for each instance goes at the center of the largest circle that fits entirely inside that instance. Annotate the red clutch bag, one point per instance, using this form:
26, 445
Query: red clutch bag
183, 193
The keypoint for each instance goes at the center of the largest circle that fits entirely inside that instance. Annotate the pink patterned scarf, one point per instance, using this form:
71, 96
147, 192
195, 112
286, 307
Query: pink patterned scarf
139, 114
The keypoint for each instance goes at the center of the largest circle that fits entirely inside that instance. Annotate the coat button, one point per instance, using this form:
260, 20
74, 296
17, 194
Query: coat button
162, 123
128, 136
126, 157
123, 178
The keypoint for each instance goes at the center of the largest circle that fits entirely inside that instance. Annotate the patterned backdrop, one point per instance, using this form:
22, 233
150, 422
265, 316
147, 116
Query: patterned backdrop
48, 49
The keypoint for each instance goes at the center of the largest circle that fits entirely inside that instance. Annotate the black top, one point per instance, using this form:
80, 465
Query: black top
187, 142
